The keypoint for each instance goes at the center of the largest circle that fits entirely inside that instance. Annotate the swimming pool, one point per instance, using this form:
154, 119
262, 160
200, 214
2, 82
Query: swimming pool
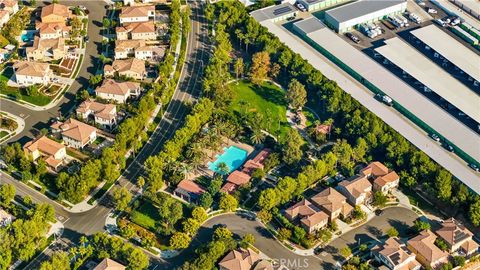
27, 36
233, 156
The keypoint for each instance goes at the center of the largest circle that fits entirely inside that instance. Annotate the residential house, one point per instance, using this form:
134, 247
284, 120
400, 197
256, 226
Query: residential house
150, 53
119, 92
55, 13
109, 264
315, 222
425, 250
257, 162
74, 133
51, 151
358, 191
133, 14
46, 49
4, 17
189, 191
29, 73
53, 30
131, 68
457, 237
383, 179
9, 5
239, 259
333, 203
235, 180
126, 48
311, 218
395, 255
140, 30
103, 114
5, 218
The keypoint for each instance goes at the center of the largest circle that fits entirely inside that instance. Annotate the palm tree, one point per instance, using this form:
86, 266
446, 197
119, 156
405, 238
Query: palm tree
257, 136
223, 168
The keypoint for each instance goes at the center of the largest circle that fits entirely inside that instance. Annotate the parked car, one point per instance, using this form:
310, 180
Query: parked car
86, 39
435, 137
448, 147
432, 11
378, 212
301, 7
353, 37
474, 167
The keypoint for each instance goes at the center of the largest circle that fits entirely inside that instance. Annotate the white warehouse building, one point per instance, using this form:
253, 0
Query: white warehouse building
344, 18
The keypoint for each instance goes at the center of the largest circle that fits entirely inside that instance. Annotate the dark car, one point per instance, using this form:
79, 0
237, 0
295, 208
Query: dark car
378, 212
86, 39
448, 147
317, 250
353, 37
474, 167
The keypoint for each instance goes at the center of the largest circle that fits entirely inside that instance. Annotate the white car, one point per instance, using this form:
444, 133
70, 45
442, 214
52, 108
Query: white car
432, 11
301, 7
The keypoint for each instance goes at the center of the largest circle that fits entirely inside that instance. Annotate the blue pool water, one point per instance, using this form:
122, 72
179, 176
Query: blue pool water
28, 36
233, 156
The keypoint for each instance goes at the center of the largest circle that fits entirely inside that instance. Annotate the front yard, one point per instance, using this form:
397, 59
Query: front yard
20, 94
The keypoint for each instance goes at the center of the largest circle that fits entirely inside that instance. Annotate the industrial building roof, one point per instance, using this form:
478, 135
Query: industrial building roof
398, 90
309, 25
273, 12
451, 49
360, 8
431, 75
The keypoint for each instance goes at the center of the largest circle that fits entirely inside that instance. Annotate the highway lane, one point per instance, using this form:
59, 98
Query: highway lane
36, 120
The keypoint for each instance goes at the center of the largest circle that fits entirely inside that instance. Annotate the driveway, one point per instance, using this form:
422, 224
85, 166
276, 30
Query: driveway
398, 217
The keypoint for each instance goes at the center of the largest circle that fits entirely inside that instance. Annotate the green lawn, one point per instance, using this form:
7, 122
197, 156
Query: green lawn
146, 215
18, 94
267, 99
3, 133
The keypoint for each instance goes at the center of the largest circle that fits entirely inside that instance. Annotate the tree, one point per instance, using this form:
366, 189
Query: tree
441, 244
121, 196
140, 182
392, 232
41, 168
215, 185
474, 212
190, 226
95, 80
268, 199
7, 193
296, 94
221, 233
170, 210
257, 136
260, 67
180, 240
106, 23
443, 184
292, 152
59, 260
247, 240
228, 203
419, 225
206, 200
379, 199
199, 214
239, 67
264, 216
284, 233
458, 261
345, 252
223, 168
32, 90
137, 259
299, 234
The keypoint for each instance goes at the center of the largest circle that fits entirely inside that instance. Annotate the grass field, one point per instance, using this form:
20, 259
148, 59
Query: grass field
268, 100
146, 215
